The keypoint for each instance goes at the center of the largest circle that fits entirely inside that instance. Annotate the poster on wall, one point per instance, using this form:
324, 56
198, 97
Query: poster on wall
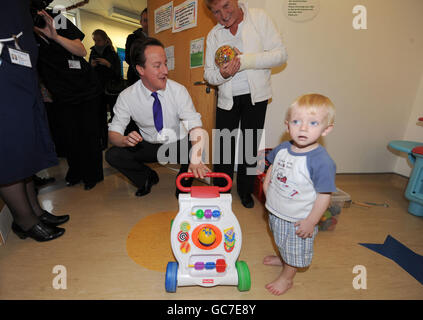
301, 10
196, 53
123, 64
163, 17
170, 56
185, 16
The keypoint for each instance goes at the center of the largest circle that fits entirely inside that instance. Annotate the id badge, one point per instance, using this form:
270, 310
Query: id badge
74, 64
20, 57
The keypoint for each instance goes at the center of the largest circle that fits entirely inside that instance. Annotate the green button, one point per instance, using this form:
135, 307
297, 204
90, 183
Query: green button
185, 226
199, 214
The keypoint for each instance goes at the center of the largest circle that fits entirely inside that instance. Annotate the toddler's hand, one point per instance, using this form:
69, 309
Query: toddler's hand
305, 229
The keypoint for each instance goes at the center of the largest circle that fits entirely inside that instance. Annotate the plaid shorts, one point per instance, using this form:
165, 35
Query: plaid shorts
295, 251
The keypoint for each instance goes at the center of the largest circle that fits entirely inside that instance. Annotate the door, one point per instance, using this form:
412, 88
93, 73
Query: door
204, 97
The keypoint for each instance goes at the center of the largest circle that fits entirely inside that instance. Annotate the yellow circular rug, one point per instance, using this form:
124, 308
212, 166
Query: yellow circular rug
148, 243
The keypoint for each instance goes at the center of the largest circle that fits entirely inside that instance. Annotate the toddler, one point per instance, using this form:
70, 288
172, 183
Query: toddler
298, 186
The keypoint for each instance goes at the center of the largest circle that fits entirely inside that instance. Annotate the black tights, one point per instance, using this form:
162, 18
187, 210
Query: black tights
21, 199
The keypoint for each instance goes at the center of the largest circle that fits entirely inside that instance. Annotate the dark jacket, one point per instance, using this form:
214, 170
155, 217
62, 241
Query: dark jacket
137, 34
104, 73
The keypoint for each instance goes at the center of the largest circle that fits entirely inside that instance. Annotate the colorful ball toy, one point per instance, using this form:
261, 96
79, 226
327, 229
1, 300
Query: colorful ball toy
206, 236
223, 55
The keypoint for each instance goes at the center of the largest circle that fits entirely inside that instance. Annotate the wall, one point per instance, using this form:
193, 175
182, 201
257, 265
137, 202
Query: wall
117, 32
414, 132
372, 76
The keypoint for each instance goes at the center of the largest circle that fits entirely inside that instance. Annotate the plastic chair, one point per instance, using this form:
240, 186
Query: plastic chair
414, 191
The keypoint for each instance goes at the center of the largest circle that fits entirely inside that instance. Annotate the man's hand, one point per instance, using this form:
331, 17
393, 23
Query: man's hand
132, 139
199, 170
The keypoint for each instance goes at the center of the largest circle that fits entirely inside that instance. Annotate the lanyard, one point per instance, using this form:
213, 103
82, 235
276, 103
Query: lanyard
13, 38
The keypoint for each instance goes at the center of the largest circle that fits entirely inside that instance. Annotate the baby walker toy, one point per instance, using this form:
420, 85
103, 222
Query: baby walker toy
206, 239
414, 191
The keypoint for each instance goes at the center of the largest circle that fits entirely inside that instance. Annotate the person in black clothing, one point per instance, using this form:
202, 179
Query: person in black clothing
141, 33
76, 92
132, 74
104, 58
25, 144
106, 62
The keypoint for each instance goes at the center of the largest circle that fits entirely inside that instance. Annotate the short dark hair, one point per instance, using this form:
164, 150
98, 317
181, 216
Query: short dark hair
138, 47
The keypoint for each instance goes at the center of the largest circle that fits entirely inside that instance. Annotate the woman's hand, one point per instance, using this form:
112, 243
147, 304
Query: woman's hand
49, 30
230, 68
103, 62
73, 46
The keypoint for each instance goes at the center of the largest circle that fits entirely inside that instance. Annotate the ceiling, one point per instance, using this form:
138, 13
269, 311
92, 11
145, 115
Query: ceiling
101, 7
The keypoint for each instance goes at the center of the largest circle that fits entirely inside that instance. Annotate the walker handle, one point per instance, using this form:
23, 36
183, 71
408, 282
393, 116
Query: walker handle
208, 174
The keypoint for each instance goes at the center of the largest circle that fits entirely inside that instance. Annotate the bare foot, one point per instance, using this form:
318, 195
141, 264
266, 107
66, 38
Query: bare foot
279, 286
272, 261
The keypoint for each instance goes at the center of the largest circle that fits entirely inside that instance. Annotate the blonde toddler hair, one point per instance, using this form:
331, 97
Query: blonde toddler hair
313, 102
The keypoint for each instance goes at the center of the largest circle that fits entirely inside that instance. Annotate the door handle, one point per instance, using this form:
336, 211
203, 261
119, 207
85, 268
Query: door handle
200, 83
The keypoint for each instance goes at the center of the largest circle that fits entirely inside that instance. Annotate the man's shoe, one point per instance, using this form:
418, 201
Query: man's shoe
40, 232
185, 183
151, 180
177, 192
154, 177
52, 220
89, 185
247, 200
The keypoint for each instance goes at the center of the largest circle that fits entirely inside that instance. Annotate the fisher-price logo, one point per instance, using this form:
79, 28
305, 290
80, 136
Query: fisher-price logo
208, 280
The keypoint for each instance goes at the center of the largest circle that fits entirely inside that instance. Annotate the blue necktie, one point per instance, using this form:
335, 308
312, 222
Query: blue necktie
157, 112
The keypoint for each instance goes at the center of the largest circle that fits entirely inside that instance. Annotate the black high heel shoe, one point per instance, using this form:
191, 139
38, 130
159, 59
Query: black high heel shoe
52, 220
40, 232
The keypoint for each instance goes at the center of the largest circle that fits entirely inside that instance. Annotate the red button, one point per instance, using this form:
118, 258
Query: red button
220, 265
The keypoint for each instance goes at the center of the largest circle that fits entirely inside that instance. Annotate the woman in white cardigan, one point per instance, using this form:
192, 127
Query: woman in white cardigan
244, 86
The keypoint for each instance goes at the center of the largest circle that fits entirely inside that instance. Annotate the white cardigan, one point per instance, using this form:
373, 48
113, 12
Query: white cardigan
263, 50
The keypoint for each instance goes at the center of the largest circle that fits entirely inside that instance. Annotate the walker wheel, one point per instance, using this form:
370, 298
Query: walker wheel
244, 280
171, 281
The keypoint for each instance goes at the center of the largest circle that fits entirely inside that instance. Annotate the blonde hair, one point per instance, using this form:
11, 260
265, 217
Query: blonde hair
313, 102
104, 36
